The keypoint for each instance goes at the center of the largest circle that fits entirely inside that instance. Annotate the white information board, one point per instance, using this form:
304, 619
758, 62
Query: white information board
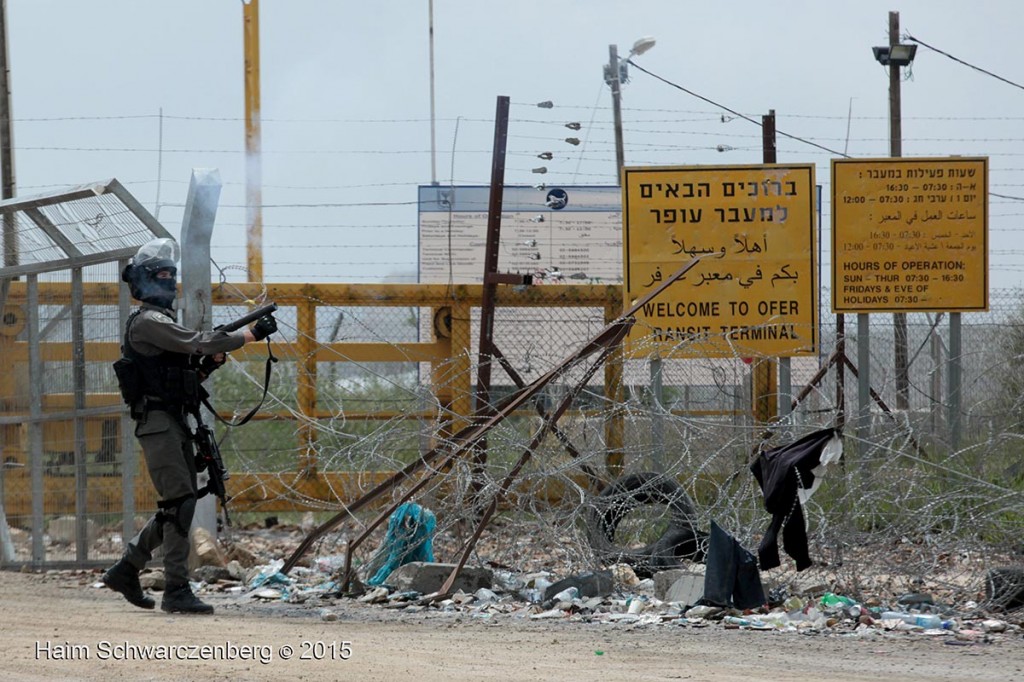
566, 234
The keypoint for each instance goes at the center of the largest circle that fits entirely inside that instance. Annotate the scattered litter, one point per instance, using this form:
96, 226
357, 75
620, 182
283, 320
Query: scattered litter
550, 613
992, 625
270, 574
375, 596
330, 564
703, 611
624, 575
612, 598
485, 595
409, 539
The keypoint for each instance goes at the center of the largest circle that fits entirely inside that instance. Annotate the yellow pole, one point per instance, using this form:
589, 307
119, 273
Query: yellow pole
765, 390
306, 390
460, 371
253, 167
615, 394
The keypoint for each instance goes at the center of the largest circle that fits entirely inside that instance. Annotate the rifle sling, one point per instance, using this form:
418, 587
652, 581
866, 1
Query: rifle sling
266, 384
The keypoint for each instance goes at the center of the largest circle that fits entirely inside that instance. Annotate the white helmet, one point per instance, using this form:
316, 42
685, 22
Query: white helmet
152, 257
158, 254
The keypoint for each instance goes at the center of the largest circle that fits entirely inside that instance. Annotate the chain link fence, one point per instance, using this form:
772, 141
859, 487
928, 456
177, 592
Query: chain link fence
902, 507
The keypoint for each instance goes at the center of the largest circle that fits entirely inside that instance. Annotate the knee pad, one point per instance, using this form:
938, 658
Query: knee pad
178, 512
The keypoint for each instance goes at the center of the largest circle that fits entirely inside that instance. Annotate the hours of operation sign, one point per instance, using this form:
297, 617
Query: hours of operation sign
754, 291
910, 234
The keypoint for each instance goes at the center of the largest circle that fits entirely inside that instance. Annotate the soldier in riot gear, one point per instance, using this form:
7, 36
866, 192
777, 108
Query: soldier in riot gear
160, 373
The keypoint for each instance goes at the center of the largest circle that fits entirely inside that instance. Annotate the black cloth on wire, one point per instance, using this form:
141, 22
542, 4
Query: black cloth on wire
781, 472
731, 579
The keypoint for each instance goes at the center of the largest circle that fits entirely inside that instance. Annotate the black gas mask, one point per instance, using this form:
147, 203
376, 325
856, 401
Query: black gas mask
143, 273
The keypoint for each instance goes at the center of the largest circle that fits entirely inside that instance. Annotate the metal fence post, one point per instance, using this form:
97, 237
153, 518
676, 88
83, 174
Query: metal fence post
658, 412
35, 426
128, 457
863, 383
953, 387
78, 374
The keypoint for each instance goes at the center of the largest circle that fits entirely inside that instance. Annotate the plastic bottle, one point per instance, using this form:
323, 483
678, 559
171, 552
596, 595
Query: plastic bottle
636, 605
929, 621
830, 599
568, 594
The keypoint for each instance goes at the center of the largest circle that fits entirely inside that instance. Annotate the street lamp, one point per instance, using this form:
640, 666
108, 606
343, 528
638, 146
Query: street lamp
895, 55
615, 74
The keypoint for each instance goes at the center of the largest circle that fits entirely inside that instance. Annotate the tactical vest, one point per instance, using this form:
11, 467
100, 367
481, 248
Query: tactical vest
164, 381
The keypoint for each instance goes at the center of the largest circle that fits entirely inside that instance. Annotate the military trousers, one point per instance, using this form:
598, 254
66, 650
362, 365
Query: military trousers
167, 447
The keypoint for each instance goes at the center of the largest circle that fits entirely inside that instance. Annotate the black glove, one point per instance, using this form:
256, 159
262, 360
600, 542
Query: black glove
264, 327
209, 364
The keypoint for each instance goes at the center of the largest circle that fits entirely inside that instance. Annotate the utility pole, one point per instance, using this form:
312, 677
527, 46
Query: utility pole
899, 320
764, 385
614, 76
253, 142
6, 142
433, 138
615, 83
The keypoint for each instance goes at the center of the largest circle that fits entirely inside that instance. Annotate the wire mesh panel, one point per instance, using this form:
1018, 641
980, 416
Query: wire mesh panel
68, 486
902, 505
66, 464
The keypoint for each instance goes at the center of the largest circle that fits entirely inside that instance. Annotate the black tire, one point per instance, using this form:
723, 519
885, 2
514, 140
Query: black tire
625, 495
675, 547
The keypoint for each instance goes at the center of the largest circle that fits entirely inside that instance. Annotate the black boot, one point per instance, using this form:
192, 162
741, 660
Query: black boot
179, 599
124, 578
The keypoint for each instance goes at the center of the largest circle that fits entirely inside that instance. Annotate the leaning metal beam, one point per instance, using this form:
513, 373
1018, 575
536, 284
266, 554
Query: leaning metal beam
128, 199
30, 207
609, 339
492, 244
558, 433
67, 263
611, 335
549, 423
53, 232
460, 443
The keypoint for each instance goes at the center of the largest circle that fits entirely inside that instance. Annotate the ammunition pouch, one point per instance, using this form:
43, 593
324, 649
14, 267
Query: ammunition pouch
129, 381
168, 381
181, 387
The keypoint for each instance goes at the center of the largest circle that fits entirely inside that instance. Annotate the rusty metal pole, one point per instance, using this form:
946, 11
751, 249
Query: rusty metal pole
490, 288
253, 142
764, 384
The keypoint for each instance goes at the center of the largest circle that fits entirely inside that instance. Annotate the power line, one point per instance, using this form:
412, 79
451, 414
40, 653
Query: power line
957, 59
324, 205
733, 111
1005, 196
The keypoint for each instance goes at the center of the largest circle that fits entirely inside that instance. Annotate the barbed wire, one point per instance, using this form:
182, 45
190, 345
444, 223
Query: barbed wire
705, 115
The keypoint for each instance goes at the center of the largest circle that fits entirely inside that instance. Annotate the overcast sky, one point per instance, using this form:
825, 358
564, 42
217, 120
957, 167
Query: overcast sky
345, 90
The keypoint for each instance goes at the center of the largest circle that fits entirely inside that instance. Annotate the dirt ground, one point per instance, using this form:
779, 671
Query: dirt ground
56, 626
